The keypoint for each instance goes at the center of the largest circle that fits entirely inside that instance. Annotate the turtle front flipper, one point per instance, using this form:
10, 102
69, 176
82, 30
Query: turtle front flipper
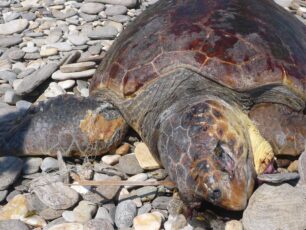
283, 127
74, 126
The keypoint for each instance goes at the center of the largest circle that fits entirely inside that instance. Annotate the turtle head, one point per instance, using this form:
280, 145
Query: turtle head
206, 148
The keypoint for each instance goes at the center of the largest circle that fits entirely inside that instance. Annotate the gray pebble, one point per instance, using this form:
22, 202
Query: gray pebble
13, 225
31, 165
161, 202
98, 224
120, 18
146, 193
116, 10
88, 17
103, 213
23, 105
125, 213
278, 178
10, 167
92, 8
16, 54
49, 164
7, 41
3, 195
129, 164
106, 32
8, 76
144, 209
10, 97
12, 194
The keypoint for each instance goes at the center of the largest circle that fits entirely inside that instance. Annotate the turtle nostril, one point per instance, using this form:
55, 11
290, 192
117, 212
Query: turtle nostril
215, 195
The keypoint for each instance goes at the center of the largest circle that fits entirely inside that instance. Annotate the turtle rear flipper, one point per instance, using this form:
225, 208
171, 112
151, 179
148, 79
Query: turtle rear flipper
74, 126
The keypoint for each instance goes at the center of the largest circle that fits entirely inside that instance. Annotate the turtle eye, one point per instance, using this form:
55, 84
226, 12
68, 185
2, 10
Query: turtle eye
223, 156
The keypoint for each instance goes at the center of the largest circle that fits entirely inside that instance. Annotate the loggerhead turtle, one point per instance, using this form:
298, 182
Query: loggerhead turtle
213, 87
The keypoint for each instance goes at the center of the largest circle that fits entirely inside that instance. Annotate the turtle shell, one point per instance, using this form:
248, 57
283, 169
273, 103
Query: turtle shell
241, 44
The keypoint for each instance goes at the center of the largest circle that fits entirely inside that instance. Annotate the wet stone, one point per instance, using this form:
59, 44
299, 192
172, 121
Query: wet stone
10, 168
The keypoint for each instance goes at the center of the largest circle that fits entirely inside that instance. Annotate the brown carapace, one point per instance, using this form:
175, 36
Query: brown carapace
202, 82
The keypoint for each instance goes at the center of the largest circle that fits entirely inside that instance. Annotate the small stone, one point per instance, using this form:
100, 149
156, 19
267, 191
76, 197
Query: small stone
60, 46
233, 225
88, 17
31, 165
10, 168
85, 92
144, 209
129, 164
26, 73
10, 97
161, 202
120, 18
50, 214
16, 54
48, 51
145, 158
148, 221
146, 193
77, 67
54, 90
13, 225
138, 177
17, 208
31, 56
49, 164
116, 10
302, 168
92, 8
23, 105
78, 39
54, 36
8, 76
123, 149
29, 83
51, 191
108, 192
110, 159
82, 213
14, 26
293, 167
68, 226
5, 65
103, 213
276, 207
7, 41
67, 84
34, 220
12, 194
158, 174
3, 195
278, 178
64, 14
106, 32
127, 3
175, 222
98, 224
9, 16
30, 48
125, 213
59, 75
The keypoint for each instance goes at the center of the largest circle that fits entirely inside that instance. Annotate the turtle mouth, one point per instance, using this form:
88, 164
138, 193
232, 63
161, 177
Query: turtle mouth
270, 168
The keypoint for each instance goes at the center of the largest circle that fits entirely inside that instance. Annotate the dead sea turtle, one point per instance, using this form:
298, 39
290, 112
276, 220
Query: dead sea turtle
212, 87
